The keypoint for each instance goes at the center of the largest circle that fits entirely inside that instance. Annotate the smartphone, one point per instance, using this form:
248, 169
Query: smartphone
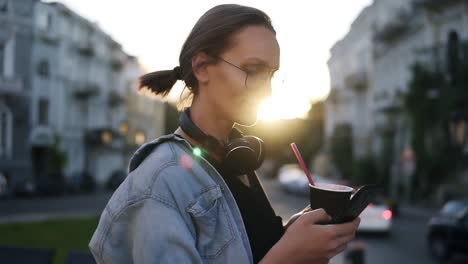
358, 202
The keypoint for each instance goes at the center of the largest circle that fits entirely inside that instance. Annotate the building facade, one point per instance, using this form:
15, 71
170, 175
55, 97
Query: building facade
68, 97
350, 67
396, 35
84, 85
16, 40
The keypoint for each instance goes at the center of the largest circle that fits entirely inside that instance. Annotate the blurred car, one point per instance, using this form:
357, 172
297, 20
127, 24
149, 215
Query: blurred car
393, 205
377, 217
448, 230
293, 180
25, 188
268, 169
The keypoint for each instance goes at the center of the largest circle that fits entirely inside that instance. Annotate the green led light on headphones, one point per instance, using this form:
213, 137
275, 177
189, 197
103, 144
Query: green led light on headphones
197, 152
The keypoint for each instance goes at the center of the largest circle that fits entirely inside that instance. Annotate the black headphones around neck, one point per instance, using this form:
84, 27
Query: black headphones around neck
241, 155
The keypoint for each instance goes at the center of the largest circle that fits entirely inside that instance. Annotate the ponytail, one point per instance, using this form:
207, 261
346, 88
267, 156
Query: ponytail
160, 82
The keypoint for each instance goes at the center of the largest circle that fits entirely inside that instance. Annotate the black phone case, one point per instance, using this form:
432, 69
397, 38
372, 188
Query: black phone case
358, 202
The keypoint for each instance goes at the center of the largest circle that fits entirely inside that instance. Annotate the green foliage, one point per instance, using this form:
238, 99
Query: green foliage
64, 235
432, 96
58, 158
171, 121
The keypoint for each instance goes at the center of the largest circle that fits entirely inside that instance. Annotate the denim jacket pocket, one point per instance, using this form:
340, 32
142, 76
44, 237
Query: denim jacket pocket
213, 228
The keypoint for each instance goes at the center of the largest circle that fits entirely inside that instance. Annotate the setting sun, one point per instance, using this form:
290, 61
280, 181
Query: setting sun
279, 107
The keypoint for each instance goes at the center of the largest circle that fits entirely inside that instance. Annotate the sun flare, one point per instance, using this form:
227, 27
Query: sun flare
279, 107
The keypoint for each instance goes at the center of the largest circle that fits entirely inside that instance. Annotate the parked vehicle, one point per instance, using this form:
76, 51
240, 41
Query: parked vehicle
377, 217
448, 230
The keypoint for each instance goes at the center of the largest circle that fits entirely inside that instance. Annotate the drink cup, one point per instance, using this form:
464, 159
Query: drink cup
333, 198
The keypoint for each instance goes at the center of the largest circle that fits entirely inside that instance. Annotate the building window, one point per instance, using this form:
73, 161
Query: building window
453, 57
43, 69
3, 6
44, 21
5, 131
43, 111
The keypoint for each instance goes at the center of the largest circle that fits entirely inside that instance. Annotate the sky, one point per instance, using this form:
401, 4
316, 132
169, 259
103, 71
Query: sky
154, 31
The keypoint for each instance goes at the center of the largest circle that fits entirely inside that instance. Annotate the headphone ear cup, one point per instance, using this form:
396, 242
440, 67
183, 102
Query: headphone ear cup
244, 154
259, 147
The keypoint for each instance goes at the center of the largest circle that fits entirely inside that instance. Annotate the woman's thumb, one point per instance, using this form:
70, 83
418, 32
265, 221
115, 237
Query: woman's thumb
318, 216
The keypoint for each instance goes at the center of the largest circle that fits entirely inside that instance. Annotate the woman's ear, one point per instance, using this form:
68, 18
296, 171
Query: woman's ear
199, 67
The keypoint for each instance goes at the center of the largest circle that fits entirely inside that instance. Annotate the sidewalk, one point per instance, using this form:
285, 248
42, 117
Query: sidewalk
417, 211
46, 208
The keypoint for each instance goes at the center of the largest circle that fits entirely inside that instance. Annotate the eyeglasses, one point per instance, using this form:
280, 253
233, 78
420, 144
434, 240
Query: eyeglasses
256, 77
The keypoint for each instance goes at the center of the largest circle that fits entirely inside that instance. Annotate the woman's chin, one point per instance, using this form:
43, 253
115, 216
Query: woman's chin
247, 120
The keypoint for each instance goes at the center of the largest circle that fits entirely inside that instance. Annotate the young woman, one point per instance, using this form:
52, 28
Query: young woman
193, 196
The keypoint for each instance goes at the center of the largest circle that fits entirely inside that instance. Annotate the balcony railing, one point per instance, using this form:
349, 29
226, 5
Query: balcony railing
389, 106
86, 50
86, 91
11, 86
117, 65
357, 81
435, 4
115, 99
48, 36
393, 29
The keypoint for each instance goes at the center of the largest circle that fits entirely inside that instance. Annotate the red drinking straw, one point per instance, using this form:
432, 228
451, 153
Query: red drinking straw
301, 162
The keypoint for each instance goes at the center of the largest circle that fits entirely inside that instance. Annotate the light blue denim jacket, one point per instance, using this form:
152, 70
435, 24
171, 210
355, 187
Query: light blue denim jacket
173, 207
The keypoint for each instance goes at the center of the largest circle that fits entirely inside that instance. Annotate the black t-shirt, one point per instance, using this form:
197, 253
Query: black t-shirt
264, 228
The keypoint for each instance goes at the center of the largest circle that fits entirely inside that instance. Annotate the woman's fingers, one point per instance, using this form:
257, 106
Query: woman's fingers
340, 249
346, 229
344, 240
316, 216
307, 209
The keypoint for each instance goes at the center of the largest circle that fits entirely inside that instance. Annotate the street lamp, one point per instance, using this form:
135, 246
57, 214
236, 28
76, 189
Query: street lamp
106, 137
140, 137
123, 128
458, 127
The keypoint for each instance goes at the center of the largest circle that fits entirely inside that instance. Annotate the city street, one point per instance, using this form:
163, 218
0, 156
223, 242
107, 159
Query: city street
43, 208
371, 92
405, 245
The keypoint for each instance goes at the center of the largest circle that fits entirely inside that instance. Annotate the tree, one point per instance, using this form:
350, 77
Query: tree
433, 95
171, 118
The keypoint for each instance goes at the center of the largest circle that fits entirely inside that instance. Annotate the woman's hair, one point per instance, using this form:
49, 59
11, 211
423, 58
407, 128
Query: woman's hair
212, 35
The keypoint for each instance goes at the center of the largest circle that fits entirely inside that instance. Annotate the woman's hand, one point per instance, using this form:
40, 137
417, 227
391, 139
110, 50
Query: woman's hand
307, 241
296, 216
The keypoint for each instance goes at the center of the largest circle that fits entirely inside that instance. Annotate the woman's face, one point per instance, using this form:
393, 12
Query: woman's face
255, 50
